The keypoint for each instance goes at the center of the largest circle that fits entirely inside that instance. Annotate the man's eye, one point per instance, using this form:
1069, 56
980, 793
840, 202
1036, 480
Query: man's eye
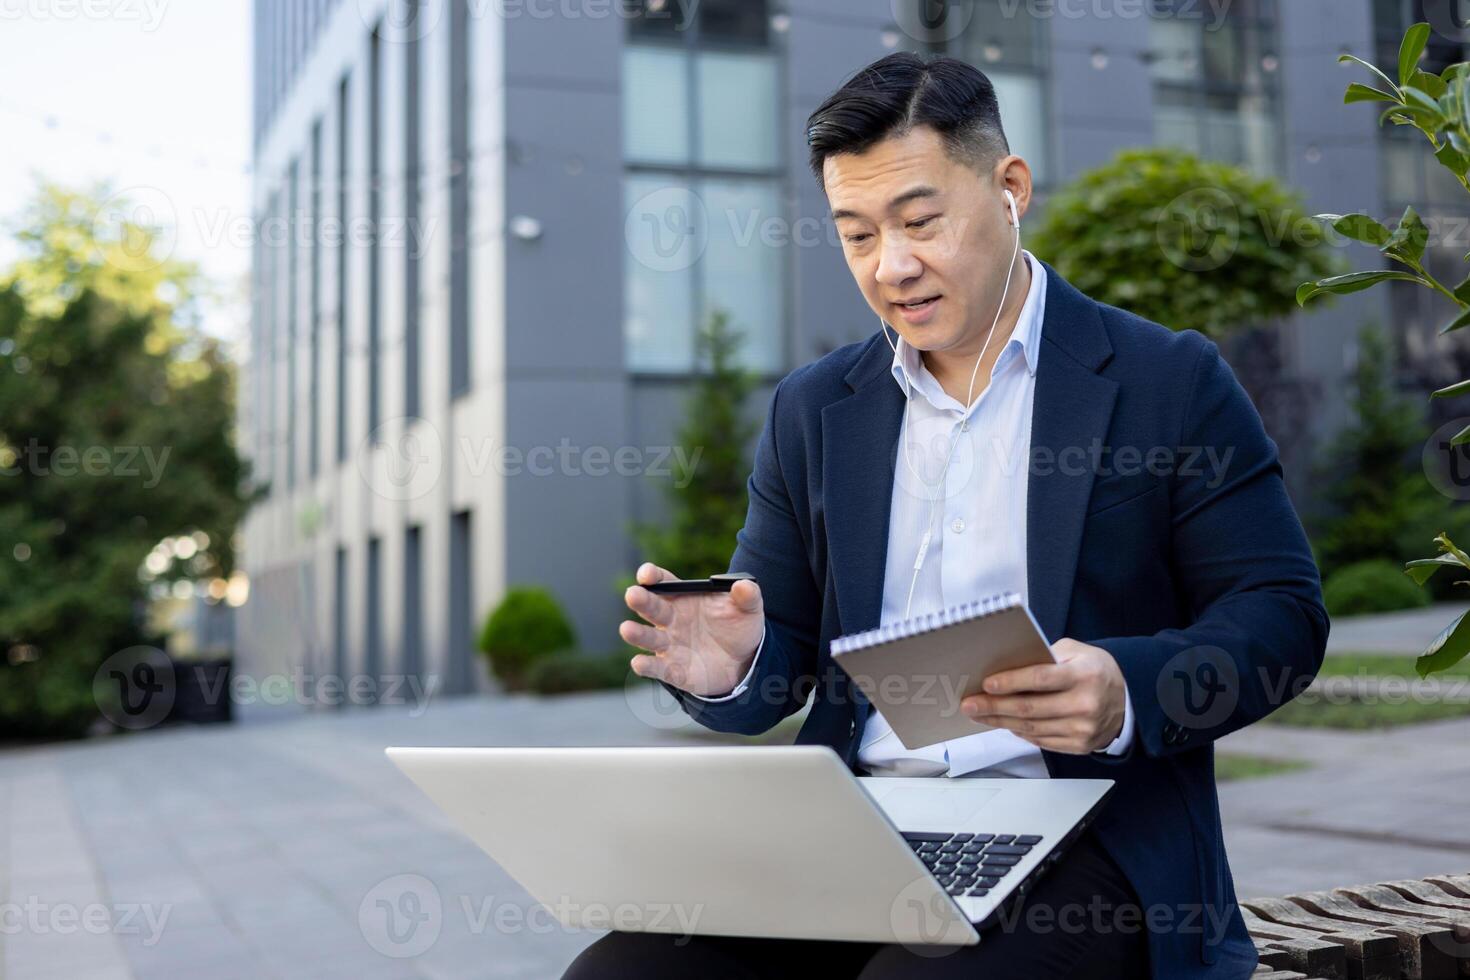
858, 239
921, 222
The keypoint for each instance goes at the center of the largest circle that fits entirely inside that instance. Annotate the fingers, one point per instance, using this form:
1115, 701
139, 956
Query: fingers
1041, 677
649, 573
661, 669
656, 609
643, 637
1032, 707
1032, 729
746, 596
645, 665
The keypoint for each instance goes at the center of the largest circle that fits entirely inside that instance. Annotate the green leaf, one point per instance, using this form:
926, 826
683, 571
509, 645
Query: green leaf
1458, 388
1452, 159
1358, 227
1408, 239
1461, 437
1432, 84
1460, 321
1448, 649
1445, 544
1387, 82
1421, 570
1410, 50
1414, 97
1358, 92
1351, 283
1405, 115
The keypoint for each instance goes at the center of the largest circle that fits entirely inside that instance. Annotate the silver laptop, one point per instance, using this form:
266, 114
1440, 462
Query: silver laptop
782, 842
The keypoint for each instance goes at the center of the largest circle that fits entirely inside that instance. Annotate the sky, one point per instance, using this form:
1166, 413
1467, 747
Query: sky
151, 96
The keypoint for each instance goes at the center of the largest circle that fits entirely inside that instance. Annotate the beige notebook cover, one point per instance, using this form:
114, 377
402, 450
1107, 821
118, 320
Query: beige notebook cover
917, 671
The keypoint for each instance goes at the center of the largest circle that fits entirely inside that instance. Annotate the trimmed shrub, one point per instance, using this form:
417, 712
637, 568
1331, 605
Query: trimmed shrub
527, 626
1371, 586
564, 673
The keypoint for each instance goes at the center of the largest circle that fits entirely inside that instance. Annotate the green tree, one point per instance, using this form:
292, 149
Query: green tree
116, 430
709, 508
1182, 241
1439, 107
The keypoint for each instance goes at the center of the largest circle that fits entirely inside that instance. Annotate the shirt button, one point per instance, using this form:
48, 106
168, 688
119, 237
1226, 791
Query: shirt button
958, 526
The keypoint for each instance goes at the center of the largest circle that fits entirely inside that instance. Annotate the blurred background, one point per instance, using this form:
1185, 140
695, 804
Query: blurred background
354, 352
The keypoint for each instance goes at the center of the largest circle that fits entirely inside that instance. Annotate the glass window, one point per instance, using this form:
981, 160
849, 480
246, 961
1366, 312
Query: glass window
1216, 85
701, 110
654, 19
991, 38
733, 20
737, 100
1008, 48
655, 105
743, 265
664, 237
1022, 101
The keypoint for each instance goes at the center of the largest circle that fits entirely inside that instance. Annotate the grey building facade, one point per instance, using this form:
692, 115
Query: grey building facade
489, 230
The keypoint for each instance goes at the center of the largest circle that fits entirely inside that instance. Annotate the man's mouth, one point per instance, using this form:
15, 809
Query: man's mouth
917, 305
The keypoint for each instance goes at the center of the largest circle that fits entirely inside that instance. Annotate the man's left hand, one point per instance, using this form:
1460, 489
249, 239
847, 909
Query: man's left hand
1074, 705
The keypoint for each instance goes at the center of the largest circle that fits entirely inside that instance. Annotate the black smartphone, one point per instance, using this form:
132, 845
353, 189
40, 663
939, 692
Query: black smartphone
715, 583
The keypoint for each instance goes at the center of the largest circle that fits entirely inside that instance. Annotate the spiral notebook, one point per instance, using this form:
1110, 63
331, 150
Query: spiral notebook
917, 671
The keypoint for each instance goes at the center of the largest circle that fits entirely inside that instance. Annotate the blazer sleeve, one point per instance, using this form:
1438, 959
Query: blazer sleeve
1245, 570
771, 547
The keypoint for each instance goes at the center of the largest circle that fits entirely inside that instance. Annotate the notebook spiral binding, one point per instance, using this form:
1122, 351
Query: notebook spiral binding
963, 613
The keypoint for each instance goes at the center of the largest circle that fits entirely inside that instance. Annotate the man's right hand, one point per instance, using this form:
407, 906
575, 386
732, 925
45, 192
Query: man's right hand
702, 643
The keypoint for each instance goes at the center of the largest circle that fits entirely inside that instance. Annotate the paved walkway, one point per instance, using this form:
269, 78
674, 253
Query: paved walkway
281, 848
1407, 632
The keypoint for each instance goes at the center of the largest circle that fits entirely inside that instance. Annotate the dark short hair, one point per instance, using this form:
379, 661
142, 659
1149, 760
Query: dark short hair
903, 90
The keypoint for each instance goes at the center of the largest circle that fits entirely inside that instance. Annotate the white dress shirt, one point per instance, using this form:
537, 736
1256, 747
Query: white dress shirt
977, 520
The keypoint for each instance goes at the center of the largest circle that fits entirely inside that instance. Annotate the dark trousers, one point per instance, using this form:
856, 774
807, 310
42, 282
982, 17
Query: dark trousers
1081, 920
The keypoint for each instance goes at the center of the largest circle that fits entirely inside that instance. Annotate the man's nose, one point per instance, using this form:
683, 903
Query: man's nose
897, 263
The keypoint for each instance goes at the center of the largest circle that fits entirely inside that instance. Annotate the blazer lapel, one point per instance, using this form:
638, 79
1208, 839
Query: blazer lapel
859, 447
1071, 410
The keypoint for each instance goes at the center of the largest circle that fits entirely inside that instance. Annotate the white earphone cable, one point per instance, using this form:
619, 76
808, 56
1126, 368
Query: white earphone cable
934, 489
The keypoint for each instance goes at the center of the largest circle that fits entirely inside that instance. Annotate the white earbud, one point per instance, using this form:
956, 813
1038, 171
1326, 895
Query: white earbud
1011, 200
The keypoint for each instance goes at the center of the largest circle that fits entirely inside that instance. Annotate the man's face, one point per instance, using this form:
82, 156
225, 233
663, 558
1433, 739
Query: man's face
918, 225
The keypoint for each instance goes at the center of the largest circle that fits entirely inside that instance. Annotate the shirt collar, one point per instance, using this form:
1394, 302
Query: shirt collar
1026, 337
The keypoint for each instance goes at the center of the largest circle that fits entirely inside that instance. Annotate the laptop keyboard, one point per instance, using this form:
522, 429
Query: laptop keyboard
970, 864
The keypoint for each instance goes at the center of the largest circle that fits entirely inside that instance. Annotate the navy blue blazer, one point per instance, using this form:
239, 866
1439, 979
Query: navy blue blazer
1191, 569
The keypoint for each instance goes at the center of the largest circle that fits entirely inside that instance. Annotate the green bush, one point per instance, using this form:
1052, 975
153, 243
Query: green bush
564, 673
1182, 241
1371, 586
527, 626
